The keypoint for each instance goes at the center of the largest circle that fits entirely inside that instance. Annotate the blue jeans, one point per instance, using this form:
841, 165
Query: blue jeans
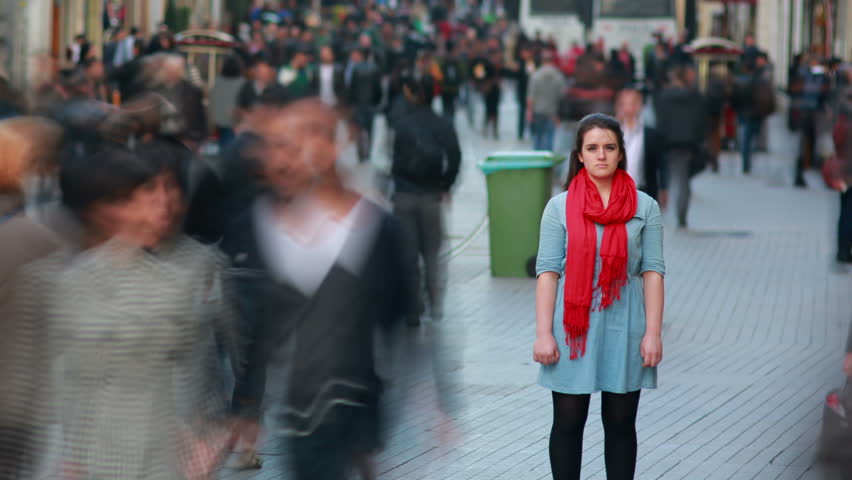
749, 131
543, 130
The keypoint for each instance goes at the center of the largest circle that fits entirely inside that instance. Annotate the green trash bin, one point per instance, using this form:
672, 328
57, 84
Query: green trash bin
519, 186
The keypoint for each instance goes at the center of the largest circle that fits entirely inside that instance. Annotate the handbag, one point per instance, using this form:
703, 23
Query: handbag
835, 442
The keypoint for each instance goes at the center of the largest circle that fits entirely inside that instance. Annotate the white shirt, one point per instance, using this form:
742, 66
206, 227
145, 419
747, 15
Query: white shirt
326, 85
634, 141
305, 264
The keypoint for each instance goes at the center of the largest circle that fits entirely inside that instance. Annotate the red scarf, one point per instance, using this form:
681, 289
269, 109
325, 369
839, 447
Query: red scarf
583, 210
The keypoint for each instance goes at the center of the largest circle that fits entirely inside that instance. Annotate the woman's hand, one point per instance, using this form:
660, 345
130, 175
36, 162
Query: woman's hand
545, 350
651, 350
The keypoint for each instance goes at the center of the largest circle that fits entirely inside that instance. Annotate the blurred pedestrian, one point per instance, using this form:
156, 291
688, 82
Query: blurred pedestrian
813, 92
718, 95
524, 68
453, 77
30, 147
425, 163
754, 101
223, 99
488, 79
364, 93
598, 320
148, 403
325, 274
644, 147
546, 88
187, 120
843, 174
682, 119
328, 80
298, 76
262, 81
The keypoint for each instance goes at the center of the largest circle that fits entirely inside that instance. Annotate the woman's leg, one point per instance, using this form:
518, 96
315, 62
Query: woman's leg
618, 411
566, 436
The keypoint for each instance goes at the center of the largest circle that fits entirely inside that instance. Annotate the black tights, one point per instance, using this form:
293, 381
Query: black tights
618, 412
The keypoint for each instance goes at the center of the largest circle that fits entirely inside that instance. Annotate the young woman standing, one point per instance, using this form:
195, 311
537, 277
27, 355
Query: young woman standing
599, 300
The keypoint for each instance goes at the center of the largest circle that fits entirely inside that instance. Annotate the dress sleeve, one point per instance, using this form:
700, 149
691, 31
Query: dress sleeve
652, 242
551, 245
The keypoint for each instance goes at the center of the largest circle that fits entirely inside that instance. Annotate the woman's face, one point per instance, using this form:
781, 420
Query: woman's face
600, 154
146, 217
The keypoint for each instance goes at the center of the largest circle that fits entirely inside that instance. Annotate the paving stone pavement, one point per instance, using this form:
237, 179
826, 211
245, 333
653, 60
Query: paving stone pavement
755, 323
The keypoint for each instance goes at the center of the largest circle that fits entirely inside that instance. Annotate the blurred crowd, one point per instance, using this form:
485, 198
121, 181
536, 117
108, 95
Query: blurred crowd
148, 286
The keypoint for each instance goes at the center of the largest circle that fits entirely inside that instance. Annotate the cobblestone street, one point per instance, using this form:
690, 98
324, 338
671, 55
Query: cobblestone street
756, 321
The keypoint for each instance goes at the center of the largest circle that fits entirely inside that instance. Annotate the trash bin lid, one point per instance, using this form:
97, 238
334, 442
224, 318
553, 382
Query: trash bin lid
519, 160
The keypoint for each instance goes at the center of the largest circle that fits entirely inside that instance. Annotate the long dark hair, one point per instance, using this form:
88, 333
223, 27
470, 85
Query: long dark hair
589, 122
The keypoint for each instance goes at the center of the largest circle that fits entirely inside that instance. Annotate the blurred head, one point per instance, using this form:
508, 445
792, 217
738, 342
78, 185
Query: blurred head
761, 60
232, 67
300, 59
170, 69
357, 55
120, 194
599, 148
299, 146
749, 40
364, 41
682, 76
30, 146
262, 71
326, 54
628, 104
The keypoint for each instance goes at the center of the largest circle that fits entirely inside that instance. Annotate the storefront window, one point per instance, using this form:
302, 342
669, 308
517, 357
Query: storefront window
538, 7
637, 8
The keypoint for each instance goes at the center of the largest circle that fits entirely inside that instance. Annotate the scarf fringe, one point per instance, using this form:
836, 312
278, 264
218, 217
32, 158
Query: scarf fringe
612, 278
576, 323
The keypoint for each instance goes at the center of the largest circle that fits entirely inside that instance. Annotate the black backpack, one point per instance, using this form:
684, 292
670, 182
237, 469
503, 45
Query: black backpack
424, 161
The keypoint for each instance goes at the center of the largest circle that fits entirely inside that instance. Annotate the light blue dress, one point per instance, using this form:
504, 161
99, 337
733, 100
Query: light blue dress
612, 362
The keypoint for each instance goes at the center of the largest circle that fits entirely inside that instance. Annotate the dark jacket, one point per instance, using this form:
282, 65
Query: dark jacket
329, 335
248, 95
654, 163
682, 118
339, 82
224, 194
410, 130
365, 86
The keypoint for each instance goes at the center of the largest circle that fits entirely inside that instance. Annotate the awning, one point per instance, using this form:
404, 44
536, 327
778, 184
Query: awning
714, 45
